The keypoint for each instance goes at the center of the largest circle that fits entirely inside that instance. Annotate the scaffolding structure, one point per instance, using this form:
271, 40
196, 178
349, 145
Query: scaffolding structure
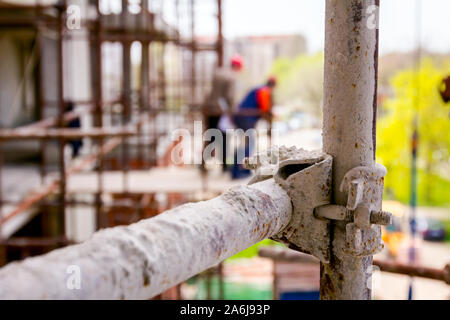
131, 120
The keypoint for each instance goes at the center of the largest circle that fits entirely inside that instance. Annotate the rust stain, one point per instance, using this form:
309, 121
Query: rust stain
326, 286
146, 281
357, 9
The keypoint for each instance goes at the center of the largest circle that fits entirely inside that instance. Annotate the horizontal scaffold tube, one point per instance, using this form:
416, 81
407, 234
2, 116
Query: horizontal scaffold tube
144, 259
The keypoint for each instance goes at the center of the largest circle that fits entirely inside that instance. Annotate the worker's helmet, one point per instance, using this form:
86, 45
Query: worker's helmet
272, 81
237, 62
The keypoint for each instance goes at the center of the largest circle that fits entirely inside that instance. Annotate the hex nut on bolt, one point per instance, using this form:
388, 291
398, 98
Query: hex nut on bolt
382, 218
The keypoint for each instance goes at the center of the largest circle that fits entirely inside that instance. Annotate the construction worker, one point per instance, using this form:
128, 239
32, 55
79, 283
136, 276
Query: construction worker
256, 105
221, 99
76, 144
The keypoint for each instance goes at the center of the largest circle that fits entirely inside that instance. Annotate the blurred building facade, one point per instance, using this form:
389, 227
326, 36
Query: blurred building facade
260, 52
120, 71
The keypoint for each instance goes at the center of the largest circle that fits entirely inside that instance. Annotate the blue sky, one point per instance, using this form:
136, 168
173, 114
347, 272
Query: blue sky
398, 31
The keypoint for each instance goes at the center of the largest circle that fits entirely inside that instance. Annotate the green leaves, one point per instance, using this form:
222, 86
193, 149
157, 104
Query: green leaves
300, 82
416, 91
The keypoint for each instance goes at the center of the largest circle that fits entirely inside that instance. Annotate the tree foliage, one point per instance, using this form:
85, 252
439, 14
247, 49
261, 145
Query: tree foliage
299, 82
416, 92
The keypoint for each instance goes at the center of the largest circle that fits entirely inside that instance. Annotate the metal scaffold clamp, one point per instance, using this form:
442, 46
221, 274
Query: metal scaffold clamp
365, 192
307, 177
364, 189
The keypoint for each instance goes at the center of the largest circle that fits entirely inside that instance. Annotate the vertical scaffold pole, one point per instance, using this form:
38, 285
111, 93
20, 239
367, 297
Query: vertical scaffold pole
350, 91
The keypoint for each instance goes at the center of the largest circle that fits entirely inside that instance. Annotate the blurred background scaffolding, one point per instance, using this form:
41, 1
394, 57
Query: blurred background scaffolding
91, 92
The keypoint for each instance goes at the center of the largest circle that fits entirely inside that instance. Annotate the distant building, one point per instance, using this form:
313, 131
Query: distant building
260, 52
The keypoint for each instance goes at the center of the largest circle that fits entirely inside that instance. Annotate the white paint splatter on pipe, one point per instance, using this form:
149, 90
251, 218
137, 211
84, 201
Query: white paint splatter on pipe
144, 259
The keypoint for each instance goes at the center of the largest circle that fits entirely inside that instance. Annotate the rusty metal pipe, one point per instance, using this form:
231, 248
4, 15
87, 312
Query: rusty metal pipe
286, 255
349, 100
144, 259
220, 46
63, 133
52, 121
53, 186
415, 271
